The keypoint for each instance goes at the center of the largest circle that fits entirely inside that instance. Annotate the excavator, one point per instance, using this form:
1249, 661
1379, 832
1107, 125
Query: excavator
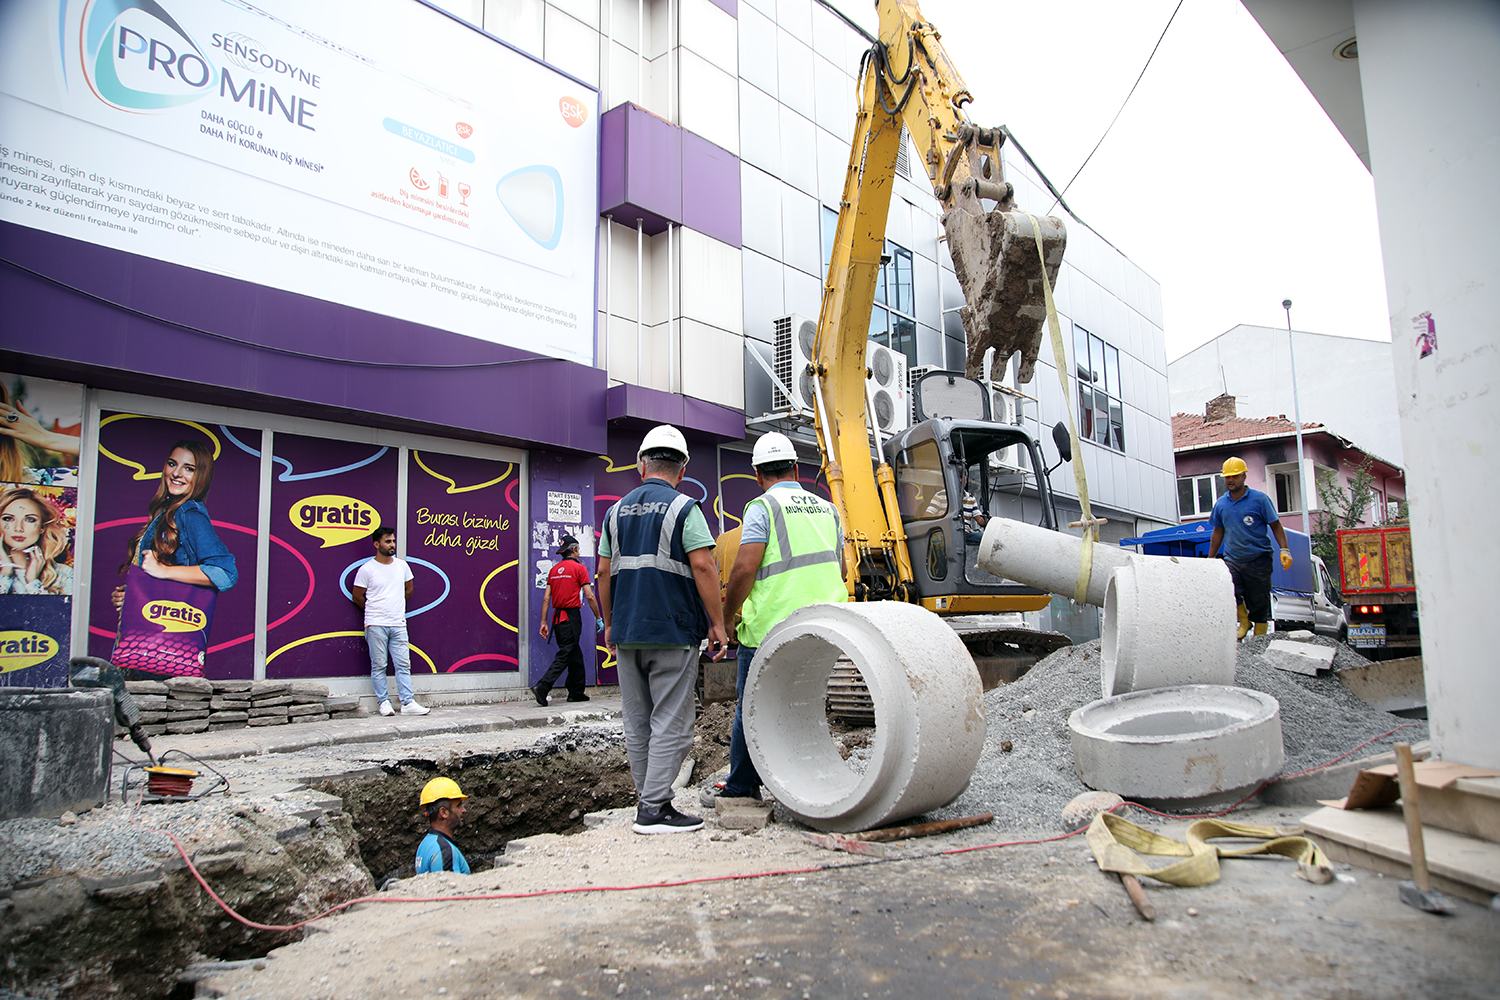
907, 537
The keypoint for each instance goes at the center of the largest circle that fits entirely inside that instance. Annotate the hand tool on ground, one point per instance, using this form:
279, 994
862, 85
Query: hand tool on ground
1419, 891
868, 841
1137, 896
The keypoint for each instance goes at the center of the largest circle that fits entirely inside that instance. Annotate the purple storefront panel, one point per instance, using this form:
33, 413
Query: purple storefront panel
326, 499
737, 483
132, 450
562, 502
462, 537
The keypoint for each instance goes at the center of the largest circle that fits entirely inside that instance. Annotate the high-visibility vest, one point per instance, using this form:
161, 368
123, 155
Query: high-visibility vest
800, 565
653, 594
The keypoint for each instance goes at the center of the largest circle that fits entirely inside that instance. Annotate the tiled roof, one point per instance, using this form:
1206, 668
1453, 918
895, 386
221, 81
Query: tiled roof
1192, 430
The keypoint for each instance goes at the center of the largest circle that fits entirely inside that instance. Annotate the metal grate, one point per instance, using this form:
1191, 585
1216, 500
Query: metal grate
903, 158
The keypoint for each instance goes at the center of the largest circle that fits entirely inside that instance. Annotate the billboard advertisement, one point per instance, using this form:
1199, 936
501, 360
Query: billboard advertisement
40, 422
372, 153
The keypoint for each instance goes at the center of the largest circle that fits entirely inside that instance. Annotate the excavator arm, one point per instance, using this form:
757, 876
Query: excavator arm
907, 78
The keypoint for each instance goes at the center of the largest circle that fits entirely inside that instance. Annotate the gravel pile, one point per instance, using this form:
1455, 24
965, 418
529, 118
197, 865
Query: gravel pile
1025, 774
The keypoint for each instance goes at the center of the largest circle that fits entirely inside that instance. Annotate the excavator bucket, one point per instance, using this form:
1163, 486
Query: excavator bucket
996, 260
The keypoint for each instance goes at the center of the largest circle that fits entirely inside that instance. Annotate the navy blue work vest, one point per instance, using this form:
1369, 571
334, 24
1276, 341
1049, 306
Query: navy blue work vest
653, 597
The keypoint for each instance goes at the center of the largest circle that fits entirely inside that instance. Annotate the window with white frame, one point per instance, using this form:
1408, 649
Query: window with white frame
1196, 494
1101, 410
893, 319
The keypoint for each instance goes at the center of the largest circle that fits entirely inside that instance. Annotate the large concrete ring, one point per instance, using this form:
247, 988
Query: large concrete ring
1167, 622
1198, 744
929, 714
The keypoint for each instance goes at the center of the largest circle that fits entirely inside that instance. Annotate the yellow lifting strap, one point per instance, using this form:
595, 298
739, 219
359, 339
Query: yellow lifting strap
1118, 845
1080, 475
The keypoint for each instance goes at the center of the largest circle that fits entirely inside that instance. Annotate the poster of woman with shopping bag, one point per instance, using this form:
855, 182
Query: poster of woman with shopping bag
177, 566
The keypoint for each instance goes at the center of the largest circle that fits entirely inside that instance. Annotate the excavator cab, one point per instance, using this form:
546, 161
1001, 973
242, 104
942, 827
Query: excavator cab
952, 476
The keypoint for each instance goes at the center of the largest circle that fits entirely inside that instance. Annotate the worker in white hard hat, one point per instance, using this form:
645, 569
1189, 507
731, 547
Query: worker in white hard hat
791, 554
659, 593
1239, 521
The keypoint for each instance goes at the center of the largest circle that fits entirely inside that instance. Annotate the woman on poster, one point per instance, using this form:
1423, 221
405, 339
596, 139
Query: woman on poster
34, 543
178, 542
25, 444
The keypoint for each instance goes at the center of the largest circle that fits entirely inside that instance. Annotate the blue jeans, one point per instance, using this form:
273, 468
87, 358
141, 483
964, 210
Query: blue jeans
744, 779
381, 638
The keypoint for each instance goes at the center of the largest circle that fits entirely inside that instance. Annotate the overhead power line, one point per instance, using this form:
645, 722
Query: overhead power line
1116, 118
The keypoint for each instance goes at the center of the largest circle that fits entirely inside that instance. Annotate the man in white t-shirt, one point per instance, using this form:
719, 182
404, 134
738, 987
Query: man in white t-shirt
381, 589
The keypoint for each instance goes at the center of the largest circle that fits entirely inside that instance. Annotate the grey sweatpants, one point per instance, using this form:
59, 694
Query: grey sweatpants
656, 691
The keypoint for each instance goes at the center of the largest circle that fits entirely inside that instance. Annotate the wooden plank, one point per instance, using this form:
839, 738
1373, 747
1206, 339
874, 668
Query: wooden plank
1376, 838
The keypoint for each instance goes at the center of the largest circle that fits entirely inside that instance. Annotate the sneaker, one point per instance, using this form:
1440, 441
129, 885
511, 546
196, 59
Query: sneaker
539, 695
386, 709
708, 795
664, 819
412, 708
582, 697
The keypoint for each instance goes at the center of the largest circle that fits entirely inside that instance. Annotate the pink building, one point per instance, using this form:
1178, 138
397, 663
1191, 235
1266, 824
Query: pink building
1268, 446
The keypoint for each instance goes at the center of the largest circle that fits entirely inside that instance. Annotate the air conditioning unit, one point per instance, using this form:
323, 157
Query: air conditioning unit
1005, 409
793, 345
889, 388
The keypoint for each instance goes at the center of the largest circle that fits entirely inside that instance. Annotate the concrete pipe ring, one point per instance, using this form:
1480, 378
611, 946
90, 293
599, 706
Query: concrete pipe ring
929, 714
1181, 747
1167, 622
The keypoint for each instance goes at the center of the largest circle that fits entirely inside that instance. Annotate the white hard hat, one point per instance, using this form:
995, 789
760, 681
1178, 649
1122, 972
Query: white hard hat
663, 436
773, 446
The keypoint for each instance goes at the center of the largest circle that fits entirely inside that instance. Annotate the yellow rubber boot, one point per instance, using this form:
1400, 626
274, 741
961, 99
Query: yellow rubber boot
1244, 622
1260, 628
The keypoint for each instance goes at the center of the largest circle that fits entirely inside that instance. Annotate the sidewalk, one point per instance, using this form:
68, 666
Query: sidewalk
443, 719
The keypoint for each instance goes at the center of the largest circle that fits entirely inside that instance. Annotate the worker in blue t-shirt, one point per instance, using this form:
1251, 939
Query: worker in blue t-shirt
444, 804
1239, 521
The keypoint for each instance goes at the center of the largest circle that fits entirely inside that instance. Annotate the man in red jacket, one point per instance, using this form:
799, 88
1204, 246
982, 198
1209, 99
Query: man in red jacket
562, 611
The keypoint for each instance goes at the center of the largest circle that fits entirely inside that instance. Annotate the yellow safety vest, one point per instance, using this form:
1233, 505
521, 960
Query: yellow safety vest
800, 565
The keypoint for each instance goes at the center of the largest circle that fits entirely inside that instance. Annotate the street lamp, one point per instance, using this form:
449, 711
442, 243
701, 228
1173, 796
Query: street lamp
1297, 415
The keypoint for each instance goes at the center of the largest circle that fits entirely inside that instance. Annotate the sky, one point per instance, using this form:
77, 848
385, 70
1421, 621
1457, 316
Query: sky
1223, 178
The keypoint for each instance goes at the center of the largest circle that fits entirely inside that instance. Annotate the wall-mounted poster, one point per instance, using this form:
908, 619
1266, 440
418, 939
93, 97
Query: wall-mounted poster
174, 546
462, 543
327, 497
40, 421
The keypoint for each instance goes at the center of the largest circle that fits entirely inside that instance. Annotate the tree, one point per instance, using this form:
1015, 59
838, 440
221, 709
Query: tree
1342, 507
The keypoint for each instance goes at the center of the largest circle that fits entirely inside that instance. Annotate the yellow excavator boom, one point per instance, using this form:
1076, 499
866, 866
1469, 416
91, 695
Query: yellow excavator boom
907, 78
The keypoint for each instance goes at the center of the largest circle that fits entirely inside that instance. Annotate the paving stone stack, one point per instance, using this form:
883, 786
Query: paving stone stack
307, 702
194, 704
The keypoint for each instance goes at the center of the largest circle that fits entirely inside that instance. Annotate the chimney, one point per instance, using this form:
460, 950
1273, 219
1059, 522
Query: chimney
1219, 408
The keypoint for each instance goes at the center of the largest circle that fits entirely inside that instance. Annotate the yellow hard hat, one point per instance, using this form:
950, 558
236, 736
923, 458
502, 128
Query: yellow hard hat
1235, 467
441, 788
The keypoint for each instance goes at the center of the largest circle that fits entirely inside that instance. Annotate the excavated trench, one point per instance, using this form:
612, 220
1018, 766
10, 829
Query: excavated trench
107, 908
511, 795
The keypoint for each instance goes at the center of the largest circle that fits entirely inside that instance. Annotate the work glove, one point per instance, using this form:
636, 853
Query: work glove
1286, 558
598, 625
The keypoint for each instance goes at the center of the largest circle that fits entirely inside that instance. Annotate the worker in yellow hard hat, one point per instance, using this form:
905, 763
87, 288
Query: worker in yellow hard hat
443, 802
1239, 520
